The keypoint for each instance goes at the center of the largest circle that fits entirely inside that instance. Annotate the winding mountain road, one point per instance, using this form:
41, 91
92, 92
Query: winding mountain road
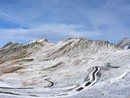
84, 85
91, 81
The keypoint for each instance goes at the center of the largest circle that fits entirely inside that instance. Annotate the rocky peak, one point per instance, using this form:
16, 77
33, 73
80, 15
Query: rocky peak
38, 42
124, 43
11, 44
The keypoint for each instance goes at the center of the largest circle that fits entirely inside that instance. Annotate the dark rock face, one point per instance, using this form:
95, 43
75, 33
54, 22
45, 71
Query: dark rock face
129, 47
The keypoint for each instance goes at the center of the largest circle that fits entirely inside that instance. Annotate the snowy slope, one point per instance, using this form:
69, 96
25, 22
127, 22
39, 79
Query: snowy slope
72, 68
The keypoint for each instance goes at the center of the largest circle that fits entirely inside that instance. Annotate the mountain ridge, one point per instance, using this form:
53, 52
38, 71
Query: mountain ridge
66, 47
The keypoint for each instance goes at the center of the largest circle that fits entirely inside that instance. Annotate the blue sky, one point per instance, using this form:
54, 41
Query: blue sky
25, 20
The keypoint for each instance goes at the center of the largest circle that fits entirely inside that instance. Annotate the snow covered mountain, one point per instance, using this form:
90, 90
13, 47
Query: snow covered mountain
124, 43
72, 68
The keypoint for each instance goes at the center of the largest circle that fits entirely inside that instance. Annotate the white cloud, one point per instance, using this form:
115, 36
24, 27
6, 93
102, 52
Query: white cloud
50, 31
